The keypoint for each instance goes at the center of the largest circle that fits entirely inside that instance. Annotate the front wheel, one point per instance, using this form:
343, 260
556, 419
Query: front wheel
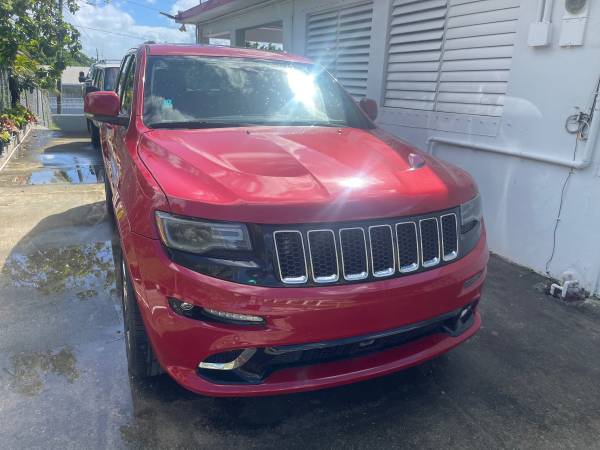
141, 361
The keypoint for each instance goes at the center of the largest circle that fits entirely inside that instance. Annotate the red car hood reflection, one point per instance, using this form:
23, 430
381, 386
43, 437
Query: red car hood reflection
296, 174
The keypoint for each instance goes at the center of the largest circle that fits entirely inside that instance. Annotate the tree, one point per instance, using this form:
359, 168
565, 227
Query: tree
36, 44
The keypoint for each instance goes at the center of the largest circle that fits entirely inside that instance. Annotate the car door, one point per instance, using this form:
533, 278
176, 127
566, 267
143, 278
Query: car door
124, 139
112, 133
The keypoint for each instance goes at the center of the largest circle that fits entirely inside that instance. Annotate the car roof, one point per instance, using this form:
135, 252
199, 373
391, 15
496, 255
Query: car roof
106, 66
220, 51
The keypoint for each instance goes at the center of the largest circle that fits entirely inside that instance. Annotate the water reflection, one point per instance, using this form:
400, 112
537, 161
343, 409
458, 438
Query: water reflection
28, 371
82, 267
71, 175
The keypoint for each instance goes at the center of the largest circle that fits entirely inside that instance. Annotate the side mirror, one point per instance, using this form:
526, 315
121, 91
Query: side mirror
104, 106
82, 77
369, 107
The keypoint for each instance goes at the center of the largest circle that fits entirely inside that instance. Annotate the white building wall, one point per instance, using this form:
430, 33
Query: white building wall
522, 197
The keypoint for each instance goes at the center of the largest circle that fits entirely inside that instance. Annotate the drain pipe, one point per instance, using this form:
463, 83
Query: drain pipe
580, 164
564, 289
548, 6
540, 10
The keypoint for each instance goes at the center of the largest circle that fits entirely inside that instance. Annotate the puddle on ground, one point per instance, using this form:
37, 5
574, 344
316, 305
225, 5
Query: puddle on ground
28, 371
70, 175
46, 158
83, 268
71, 159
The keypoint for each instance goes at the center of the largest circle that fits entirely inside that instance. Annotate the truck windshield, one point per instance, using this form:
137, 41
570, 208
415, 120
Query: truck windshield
201, 92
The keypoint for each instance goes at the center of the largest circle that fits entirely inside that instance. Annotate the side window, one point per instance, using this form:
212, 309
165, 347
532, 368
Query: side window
127, 92
100, 84
121, 76
95, 78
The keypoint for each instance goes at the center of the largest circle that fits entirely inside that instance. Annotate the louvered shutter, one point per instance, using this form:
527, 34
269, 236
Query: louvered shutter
340, 40
451, 56
415, 52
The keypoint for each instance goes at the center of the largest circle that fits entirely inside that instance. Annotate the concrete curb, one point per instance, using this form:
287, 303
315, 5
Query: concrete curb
14, 145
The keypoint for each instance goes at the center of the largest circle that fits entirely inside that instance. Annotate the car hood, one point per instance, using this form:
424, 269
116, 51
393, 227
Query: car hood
297, 174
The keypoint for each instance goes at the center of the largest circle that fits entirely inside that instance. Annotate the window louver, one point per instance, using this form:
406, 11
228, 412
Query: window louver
451, 55
340, 41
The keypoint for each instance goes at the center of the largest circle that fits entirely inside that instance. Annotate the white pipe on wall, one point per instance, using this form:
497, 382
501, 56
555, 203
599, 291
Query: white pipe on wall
540, 10
582, 163
548, 7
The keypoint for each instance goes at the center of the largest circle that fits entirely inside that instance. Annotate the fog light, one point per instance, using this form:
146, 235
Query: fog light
212, 315
233, 316
238, 360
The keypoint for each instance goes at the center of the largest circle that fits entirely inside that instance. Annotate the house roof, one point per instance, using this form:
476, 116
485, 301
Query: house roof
213, 9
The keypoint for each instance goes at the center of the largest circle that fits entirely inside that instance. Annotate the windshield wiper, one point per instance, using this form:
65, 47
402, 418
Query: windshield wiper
192, 124
306, 123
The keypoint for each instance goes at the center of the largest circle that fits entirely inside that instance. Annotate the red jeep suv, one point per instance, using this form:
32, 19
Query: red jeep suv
274, 239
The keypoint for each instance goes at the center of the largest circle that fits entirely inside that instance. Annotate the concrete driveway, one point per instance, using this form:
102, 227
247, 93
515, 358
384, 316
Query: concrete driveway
529, 379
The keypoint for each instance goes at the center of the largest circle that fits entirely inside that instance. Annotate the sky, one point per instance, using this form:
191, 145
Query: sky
111, 27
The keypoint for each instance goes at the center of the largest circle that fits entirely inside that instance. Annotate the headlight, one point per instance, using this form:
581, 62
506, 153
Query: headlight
197, 236
471, 214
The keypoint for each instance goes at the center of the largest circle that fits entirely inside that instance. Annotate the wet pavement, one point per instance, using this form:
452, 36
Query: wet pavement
528, 379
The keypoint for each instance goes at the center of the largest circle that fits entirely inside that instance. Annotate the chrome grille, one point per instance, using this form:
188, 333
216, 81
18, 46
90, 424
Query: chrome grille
323, 256
365, 251
408, 246
430, 242
382, 250
289, 247
354, 254
449, 237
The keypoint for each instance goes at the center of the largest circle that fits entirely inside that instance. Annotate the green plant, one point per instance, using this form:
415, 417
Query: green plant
36, 43
16, 118
4, 137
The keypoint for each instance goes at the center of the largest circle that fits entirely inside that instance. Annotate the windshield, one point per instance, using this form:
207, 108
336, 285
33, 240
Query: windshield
110, 78
200, 92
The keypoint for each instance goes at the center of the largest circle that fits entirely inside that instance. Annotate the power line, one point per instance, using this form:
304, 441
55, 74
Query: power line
93, 3
114, 32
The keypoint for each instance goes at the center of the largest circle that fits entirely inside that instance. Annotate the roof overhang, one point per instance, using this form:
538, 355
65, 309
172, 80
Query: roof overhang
214, 9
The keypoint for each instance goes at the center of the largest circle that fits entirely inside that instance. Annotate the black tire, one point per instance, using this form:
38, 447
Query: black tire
108, 193
141, 361
95, 134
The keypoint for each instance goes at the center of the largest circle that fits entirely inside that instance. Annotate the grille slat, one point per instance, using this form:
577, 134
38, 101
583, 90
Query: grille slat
383, 263
354, 253
323, 256
449, 237
291, 258
408, 247
362, 252
430, 244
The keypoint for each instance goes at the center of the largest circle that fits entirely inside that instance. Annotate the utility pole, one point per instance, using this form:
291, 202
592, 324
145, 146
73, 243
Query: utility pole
59, 81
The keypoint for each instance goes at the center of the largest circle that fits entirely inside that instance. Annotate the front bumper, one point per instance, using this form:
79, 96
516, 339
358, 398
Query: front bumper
299, 316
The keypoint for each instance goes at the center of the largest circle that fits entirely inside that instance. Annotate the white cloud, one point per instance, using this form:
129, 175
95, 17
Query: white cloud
112, 31
182, 5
